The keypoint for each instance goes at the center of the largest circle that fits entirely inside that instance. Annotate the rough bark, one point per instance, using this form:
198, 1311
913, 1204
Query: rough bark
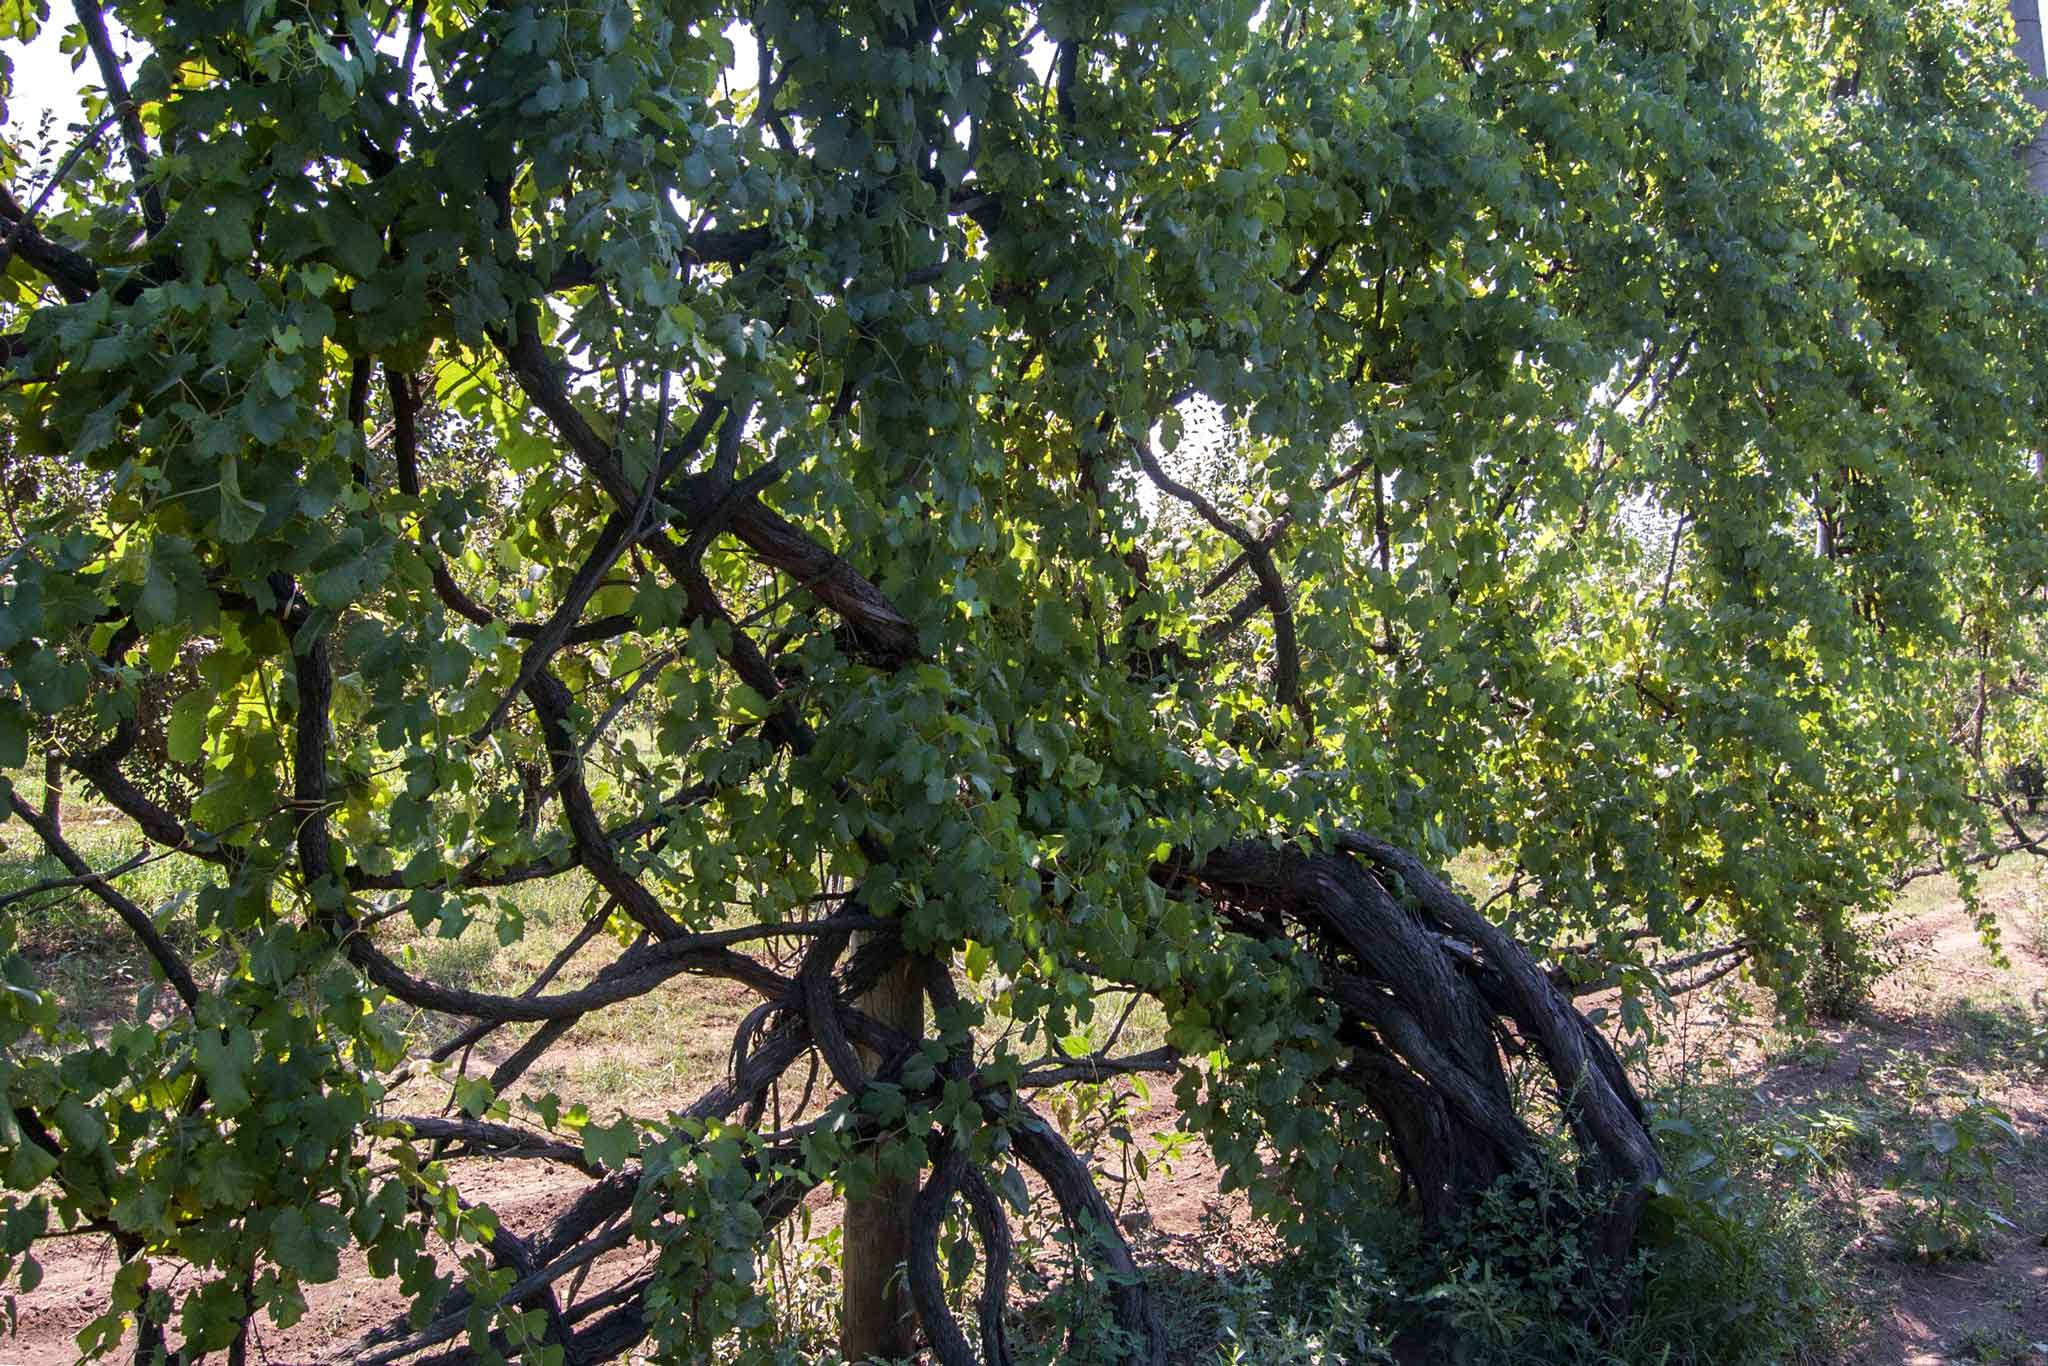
1430, 997
2028, 47
53, 791
1429, 988
877, 1317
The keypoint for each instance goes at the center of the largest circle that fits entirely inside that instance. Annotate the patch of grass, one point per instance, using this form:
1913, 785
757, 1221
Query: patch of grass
78, 948
466, 963
1305, 1315
1838, 1136
2033, 918
1724, 1275
1806, 1049
72, 919
1982, 1031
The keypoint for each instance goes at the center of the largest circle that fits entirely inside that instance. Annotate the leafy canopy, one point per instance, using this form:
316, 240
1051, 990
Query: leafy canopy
985, 457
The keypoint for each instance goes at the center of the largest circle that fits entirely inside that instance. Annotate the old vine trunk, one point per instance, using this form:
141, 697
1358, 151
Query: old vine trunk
1430, 994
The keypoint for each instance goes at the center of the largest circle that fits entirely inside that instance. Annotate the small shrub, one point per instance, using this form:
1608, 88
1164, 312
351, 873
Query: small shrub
1835, 1136
1846, 968
2033, 1043
2034, 922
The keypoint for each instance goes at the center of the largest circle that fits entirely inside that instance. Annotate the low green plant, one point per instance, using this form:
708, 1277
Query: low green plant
1066, 1314
2033, 1045
1846, 968
1906, 1082
1835, 1136
802, 1272
1997, 1347
1734, 1264
1303, 1312
1726, 1273
1952, 1196
1518, 1280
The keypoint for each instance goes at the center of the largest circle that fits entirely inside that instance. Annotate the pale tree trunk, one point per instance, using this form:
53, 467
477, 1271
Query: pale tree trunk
2026, 24
877, 1318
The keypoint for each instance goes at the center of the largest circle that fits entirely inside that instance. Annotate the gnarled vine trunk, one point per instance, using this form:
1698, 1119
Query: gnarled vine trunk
1429, 992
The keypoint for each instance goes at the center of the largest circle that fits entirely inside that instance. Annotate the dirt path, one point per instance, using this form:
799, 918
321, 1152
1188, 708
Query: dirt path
74, 1288
1946, 1000
1949, 1025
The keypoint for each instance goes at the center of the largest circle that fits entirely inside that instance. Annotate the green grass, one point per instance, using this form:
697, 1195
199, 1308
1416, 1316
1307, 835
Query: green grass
79, 950
72, 919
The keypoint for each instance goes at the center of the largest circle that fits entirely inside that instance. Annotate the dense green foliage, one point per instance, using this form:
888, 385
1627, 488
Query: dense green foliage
982, 460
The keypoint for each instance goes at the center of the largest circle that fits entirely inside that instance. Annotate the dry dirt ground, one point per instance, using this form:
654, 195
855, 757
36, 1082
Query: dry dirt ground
1948, 1024
1973, 1311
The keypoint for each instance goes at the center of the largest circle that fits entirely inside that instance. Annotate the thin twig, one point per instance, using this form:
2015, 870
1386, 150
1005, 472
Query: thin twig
23, 224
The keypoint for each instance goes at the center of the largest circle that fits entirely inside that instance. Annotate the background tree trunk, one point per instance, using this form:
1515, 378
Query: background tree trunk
2026, 23
877, 1318
2027, 43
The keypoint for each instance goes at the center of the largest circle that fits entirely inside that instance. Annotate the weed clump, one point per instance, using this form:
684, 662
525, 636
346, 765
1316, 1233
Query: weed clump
1721, 1275
1724, 1275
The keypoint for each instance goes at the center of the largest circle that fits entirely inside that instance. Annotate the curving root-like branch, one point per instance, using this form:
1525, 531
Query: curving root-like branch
1427, 985
952, 1175
1041, 1148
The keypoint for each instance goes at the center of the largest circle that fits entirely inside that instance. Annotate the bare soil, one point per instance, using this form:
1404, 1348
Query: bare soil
1994, 1310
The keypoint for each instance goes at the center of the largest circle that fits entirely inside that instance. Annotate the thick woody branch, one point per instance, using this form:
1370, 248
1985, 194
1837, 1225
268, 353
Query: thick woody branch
1429, 993
621, 530
74, 274
775, 1201
315, 678
552, 702
726, 246
102, 768
634, 973
405, 446
618, 532
879, 629
1098, 1066
1039, 1146
952, 1175
478, 1032
476, 1137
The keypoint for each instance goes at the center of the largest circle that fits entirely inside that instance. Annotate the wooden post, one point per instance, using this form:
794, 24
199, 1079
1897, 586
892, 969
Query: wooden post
876, 1318
2026, 24
53, 790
